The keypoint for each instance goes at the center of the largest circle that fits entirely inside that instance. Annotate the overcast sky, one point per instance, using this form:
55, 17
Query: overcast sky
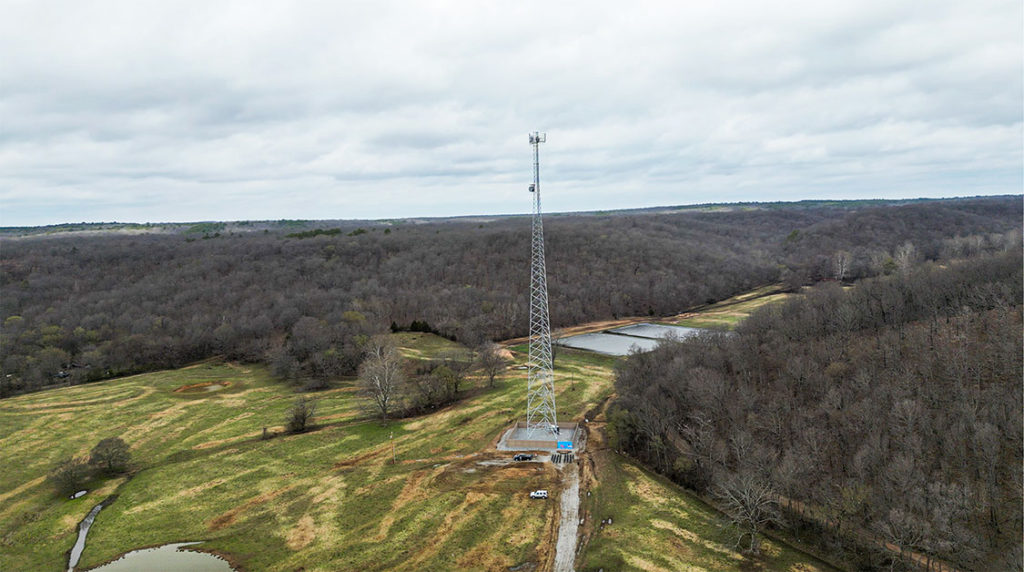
185, 111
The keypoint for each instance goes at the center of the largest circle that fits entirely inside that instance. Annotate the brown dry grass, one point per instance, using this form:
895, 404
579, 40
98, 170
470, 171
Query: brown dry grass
193, 386
330, 486
694, 538
358, 459
410, 492
243, 437
303, 533
229, 517
464, 511
646, 565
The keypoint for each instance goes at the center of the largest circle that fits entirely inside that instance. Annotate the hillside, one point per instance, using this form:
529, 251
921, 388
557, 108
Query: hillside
882, 414
84, 305
331, 499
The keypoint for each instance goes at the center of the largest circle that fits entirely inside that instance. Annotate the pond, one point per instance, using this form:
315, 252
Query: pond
657, 331
167, 557
610, 344
620, 341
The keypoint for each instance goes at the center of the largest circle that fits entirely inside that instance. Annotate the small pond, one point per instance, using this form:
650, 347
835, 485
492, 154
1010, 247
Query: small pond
167, 557
620, 341
610, 344
657, 331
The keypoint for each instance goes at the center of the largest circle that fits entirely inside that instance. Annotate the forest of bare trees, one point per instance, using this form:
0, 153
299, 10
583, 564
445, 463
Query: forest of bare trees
886, 412
306, 298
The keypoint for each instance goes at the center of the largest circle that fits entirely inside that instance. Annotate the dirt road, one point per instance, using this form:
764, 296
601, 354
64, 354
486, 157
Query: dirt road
569, 519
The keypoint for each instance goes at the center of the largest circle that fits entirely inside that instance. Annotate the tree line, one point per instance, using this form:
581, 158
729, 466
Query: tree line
305, 300
889, 411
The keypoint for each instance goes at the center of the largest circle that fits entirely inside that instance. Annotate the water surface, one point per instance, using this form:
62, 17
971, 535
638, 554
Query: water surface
620, 341
656, 331
167, 558
610, 344
83, 530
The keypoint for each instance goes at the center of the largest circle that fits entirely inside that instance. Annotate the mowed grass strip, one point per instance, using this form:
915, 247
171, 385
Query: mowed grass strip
727, 314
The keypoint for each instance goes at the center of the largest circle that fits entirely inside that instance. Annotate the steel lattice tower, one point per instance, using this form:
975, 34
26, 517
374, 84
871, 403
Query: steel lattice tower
540, 387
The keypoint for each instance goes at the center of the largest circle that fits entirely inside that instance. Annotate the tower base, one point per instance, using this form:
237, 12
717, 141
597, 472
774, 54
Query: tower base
518, 438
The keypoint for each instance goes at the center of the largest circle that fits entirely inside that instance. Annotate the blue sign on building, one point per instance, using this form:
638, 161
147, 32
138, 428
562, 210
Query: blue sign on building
564, 445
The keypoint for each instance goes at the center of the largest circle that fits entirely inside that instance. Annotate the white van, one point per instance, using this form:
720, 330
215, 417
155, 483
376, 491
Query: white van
541, 494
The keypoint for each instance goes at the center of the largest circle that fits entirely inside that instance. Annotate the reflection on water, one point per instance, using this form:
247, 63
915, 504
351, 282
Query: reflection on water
83, 530
167, 558
610, 344
656, 331
620, 341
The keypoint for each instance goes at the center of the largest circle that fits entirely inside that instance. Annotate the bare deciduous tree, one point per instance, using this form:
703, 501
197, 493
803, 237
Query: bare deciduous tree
69, 475
751, 504
905, 256
380, 374
300, 416
901, 394
841, 262
903, 530
491, 361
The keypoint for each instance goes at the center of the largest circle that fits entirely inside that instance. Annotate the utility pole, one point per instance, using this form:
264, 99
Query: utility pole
541, 418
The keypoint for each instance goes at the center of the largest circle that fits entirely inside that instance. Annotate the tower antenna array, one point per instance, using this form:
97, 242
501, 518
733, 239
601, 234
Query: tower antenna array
541, 420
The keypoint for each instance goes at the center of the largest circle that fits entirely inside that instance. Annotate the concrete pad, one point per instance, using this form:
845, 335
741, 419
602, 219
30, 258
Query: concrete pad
518, 438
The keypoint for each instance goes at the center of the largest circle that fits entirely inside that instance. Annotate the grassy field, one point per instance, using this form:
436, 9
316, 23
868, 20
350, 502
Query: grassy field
656, 526
329, 499
326, 500
726, 314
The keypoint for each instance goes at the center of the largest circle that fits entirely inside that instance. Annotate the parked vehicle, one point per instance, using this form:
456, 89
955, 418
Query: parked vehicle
541, 494
522, 457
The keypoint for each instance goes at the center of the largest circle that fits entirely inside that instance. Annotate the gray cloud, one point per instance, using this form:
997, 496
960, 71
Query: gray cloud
151, 111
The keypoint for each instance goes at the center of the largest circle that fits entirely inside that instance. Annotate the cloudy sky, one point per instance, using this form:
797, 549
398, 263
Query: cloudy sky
215, 110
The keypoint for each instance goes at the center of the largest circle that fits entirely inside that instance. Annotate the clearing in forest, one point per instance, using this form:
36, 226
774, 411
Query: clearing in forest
725, 315
331, 498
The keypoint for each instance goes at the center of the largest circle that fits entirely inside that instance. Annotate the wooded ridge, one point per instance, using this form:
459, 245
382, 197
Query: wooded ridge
890, 411
82, 306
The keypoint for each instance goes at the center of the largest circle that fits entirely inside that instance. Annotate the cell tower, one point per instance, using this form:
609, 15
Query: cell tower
541, 420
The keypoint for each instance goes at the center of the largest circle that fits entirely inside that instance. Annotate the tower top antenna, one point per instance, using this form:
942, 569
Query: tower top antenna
538, 137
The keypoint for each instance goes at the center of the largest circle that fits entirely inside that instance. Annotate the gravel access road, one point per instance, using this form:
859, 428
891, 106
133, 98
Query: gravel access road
569, 519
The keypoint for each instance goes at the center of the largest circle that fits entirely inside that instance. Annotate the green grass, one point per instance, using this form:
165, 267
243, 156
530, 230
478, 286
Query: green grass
727, 314
330, 499
658, 526
418, 345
